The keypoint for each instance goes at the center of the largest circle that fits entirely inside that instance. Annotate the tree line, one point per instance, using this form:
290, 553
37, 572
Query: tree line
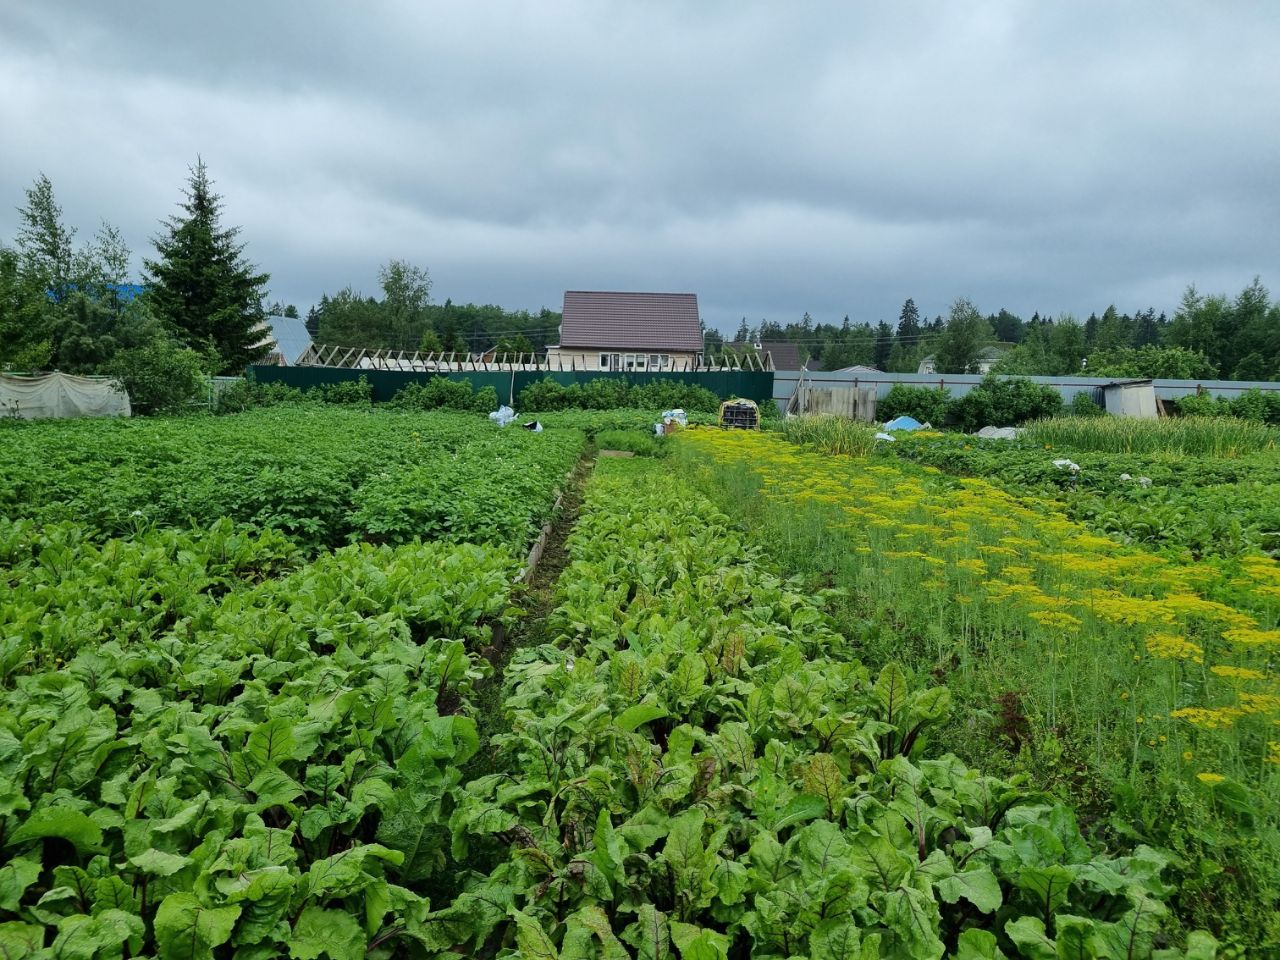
70, 306
1235, 338
404, 318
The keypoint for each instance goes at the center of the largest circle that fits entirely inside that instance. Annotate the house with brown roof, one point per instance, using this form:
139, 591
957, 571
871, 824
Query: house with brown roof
629, 332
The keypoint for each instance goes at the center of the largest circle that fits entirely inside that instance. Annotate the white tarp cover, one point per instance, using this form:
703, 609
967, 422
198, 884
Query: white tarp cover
61, 395
999, 433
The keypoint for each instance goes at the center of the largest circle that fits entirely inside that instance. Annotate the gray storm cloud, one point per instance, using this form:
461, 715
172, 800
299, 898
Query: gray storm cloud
774, 159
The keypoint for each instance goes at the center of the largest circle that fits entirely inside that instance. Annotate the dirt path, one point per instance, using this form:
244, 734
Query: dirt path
539, 602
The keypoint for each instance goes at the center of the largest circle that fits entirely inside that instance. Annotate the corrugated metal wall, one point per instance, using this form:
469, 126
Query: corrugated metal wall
751, 384
785, 381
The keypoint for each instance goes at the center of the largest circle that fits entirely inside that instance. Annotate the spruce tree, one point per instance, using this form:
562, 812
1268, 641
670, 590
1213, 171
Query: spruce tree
202, 286
909, 323
884, 346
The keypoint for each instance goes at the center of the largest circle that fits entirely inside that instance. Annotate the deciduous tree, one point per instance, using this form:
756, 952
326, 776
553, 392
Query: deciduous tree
966, 333
45, 244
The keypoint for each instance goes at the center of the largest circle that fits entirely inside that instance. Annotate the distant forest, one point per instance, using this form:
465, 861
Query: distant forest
1207, 336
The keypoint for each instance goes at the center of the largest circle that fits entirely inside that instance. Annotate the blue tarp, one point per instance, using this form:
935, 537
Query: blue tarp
125, 292
904, 423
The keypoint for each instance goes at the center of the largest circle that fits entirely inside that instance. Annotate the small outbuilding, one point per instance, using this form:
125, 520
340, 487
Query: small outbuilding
1130, 398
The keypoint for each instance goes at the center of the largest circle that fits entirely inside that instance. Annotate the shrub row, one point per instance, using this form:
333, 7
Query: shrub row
609, 394
438, 393
996, 402
441, 393
248, 393
1251, 405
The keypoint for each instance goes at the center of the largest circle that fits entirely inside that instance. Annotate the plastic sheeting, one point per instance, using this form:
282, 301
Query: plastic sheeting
61, 395
999, 433
904, 423
503, 415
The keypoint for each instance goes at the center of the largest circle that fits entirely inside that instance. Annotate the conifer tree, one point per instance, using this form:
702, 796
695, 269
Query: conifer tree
202, 286
909, 323
884, 346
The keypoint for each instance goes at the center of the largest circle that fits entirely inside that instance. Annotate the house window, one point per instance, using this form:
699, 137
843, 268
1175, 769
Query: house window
664, 361
610, 361
653, 361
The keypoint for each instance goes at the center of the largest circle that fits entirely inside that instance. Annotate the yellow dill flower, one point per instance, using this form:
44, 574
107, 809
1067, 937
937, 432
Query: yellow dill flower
1273, 752
1052, 618
1259, 703
1216, 719
1210, 778
1169, 646
1261, 569
1249, 637
909, 529
997, 550
1237, 673
1188, 755
1011, 541
1089, 541
1190, 605
1129, 611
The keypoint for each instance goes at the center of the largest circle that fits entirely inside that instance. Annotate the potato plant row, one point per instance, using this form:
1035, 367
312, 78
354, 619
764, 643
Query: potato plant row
323, 477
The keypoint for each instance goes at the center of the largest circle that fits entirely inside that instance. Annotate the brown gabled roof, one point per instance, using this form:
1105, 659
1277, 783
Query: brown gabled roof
637, 321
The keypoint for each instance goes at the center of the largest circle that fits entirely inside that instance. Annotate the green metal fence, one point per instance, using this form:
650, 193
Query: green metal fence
752, 384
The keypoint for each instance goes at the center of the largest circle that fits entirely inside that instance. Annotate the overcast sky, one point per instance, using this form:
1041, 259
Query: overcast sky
772, 158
